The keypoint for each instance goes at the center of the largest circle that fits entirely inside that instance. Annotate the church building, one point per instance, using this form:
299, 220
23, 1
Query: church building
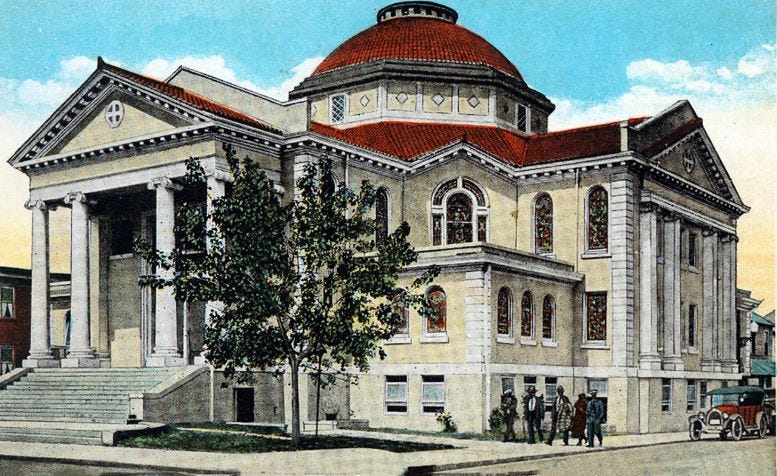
601, 257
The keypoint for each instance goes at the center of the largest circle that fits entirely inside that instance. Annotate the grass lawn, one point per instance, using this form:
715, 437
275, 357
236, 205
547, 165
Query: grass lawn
243, 439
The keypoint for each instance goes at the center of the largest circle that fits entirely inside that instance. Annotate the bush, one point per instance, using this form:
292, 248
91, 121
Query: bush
446, 420
496, 420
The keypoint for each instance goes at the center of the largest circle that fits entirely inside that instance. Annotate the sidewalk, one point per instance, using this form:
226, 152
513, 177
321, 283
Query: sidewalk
468, 453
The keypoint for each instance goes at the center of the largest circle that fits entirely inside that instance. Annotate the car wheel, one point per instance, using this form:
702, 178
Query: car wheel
763, 426
722, 435
695, 431
737, 429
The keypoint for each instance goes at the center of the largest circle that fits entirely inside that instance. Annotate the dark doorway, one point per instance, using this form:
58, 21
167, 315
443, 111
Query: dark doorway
244, 404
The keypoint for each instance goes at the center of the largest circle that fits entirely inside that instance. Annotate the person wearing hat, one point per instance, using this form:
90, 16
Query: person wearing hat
594, 415
533, 413
578, 419
509, 409
562, 417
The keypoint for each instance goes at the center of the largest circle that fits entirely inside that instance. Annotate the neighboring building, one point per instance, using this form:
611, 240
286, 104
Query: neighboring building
15, 313
597, 257
761, 341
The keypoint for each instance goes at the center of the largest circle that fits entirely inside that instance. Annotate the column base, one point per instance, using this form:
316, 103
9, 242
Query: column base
673, 362
81, 362
200, 360
650, 362
165, 361
730, 366
709, 366
40, 363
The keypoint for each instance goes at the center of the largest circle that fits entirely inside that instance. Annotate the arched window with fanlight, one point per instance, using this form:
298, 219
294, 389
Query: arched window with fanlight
597, 218
381, 215
527, 317
543, 224
435, 323
548, 319
504, 313
459, 212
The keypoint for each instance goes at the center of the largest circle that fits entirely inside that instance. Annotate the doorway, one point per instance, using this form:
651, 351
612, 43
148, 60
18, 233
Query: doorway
244, 404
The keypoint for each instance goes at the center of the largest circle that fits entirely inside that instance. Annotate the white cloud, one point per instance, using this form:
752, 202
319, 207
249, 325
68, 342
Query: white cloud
758, 62
300, 72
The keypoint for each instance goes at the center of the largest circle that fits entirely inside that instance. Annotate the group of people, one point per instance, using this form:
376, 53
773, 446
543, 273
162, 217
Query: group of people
582, 419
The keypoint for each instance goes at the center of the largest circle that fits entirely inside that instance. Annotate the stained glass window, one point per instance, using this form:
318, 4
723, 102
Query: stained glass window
692, 325
479, 197
437, 229
527, 315
596, 316
6, 303
504, 304
459, 219
482, 223
442, 190
543, 224
381, 215
400, 307
435, 322
548, 316
597, 219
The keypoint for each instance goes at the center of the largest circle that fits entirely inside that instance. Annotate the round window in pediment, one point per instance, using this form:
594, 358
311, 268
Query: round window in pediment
114, 113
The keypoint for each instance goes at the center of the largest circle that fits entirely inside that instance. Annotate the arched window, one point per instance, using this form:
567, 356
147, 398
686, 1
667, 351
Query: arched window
459, 212
549, 319
435, 322
543, 224
381, 215
504, 313
527, 315
400, 307
598, 219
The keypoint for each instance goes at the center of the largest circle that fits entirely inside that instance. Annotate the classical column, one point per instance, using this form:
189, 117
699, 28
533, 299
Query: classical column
40, 339
166, 323
709, 345
732, 361
648, 288
672, 310
727, 311
80, 353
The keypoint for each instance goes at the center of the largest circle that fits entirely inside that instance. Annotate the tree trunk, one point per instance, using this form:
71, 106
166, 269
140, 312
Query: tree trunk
318, 394
295, 433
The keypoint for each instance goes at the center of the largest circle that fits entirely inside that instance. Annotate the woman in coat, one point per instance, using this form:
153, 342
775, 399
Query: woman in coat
579, 420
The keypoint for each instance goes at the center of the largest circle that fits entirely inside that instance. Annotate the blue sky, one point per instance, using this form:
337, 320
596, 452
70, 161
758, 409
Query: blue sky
597, 61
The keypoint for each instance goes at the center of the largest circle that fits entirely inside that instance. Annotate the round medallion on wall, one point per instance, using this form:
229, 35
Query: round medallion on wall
114, 114
689, 160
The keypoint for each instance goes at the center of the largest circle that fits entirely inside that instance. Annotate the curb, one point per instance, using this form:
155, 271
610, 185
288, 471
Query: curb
432, 468
116, 464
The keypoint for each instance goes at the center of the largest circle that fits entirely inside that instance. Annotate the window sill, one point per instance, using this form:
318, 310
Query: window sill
595, 346
400, 339
441, 339
549, 343
528, 341
693, 269
550, 255
124, 256
693, 351
596, 254
395, 413
505, 339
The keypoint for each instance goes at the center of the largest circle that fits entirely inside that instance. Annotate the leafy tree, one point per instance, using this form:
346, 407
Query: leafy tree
298, 285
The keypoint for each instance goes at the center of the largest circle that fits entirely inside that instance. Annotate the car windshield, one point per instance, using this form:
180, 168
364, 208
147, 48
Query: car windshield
725, 399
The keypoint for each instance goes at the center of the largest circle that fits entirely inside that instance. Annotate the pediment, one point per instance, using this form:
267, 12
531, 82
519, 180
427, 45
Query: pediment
689, 161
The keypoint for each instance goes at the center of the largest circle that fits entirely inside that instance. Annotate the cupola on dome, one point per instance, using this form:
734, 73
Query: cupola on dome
418, 31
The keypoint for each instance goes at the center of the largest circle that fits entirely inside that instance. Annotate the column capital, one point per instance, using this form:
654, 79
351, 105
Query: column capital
728, 238
649, 207
75, 197
164, 182
671, 217
707, 231
33, 204
218, 174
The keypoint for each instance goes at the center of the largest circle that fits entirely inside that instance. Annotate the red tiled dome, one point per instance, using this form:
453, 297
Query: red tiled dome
418, 38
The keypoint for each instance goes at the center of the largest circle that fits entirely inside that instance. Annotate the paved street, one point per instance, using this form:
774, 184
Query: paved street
708, 457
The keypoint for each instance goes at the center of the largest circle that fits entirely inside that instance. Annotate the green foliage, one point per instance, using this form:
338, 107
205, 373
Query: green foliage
495, 420
446, 420
297, 282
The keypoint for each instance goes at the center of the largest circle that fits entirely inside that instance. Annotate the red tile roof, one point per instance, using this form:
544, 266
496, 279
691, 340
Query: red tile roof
424, 39
190, 98
412, 140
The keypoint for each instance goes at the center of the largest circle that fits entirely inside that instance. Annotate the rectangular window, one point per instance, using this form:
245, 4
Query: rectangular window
550, 392
596, 317
691, 396
692, 247
522, 118
396, 393
338, 108
703, 393
666, 395
683, 247
6, 354
600, 385
692, 325
508, 383
122, 234
529, 382
432, 393
6, 303
660, 238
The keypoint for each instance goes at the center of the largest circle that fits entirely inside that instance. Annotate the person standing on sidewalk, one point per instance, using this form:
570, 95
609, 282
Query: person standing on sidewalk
594, 415
509, 408
533, 413
562, 417
579, 419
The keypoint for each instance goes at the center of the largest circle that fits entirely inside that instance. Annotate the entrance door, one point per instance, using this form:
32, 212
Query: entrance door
244, 404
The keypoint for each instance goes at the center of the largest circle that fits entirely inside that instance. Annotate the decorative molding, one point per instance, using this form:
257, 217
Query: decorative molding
163, 182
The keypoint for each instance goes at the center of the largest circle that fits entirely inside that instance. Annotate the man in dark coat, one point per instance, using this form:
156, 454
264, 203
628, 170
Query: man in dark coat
594, 416
578, 419
509, 409
533, 413
562, 417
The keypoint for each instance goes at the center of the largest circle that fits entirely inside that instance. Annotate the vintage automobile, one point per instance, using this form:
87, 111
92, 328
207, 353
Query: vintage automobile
735, 411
